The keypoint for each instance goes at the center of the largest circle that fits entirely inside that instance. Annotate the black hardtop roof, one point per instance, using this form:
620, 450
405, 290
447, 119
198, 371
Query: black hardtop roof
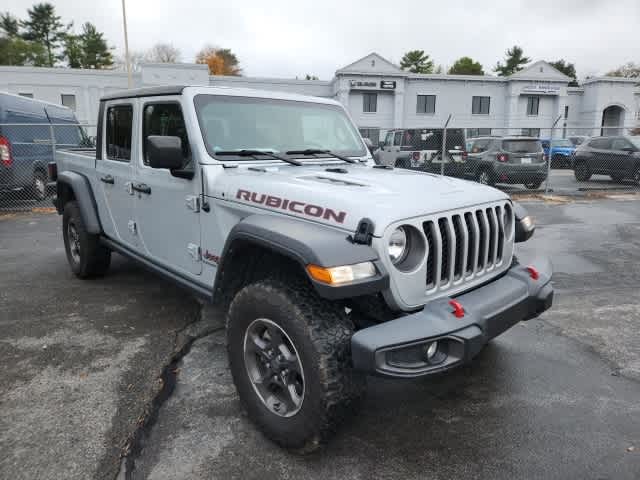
146, 92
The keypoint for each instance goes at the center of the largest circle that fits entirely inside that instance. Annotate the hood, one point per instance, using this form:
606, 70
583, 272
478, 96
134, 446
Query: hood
342, 197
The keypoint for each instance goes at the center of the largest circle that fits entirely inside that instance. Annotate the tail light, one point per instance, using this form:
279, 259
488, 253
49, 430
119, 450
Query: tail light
545, 157
503, 157
464, 155
415, 156
5, 152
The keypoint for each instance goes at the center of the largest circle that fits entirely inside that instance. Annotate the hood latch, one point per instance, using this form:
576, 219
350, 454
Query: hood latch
364, 232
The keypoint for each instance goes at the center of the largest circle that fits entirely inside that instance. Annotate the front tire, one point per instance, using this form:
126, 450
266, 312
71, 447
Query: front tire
581, 171
86, 256
533, 185
289, 354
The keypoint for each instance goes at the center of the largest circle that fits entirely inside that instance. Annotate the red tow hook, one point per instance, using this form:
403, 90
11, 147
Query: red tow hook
533, 273
458, 311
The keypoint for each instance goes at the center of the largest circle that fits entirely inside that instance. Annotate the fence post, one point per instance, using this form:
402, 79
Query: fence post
52, 133
546, 183
444, 144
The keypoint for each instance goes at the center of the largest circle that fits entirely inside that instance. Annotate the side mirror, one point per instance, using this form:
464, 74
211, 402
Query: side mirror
164, 152
629, 149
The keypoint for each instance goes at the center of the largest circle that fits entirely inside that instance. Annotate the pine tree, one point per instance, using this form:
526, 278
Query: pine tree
44, 27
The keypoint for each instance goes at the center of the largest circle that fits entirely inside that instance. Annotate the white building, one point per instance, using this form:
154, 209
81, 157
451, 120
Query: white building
380, 96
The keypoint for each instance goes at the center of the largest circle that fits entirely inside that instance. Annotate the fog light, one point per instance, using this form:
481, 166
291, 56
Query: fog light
431, 349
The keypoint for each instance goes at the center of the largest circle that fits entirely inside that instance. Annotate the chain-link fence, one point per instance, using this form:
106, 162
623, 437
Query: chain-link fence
553, 160
25, 152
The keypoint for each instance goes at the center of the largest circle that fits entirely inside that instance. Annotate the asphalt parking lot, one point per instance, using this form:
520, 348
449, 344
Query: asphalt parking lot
556, 397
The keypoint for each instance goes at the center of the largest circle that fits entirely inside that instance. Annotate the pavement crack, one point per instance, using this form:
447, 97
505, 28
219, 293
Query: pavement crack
166, 383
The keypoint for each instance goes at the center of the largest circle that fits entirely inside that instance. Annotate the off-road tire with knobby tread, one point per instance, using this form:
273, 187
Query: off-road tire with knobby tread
94, 257
321, 333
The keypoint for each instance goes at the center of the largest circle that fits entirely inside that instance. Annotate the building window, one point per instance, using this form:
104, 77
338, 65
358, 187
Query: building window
566, 111
26, 95
68, 101
478, 132
372, 134
533, 104
370, 102
480, 105
426, 104
531, 132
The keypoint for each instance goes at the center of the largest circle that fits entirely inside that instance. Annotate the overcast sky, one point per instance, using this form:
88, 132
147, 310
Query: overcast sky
290, 38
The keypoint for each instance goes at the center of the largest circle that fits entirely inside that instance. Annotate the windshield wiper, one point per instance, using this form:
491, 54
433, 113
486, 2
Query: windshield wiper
254, 153
317, 151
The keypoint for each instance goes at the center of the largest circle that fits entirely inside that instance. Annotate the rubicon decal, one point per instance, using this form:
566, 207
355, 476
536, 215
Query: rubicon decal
295, 206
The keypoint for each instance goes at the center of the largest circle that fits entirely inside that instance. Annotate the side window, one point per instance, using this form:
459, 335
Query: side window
480, 146
599, 143
164, 119
388, 139
619, 144
119, 126
397, 139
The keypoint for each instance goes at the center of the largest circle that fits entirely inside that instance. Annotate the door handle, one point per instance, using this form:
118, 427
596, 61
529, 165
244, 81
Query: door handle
107, 179
141, 188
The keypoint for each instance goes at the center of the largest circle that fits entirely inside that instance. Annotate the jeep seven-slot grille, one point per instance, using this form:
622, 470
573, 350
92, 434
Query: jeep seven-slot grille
463, 244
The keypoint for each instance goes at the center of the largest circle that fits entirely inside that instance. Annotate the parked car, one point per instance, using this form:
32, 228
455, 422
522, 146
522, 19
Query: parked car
577, 139
561, 151
26, 130
415, 147
618, 157
329, 268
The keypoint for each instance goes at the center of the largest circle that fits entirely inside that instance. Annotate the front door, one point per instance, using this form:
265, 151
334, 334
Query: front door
166, 205
622, 161
115, 172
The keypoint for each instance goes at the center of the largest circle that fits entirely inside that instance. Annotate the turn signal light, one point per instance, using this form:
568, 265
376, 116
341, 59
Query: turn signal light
343, 274
416, 156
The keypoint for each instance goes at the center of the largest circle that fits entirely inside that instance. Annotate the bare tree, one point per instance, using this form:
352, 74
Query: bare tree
136, 58
163, 53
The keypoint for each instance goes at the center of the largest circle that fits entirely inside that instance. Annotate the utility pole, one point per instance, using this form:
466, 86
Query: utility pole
546, 186
126, 46
444, 144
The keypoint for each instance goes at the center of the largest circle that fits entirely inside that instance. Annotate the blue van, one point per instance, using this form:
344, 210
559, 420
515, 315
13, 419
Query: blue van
26, 128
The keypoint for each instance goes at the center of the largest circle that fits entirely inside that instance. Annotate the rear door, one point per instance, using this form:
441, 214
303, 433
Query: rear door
115, 172
167, 206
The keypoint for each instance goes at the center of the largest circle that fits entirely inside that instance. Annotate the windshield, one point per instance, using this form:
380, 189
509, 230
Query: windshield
243, 123
562, 142
635, 141
521, 146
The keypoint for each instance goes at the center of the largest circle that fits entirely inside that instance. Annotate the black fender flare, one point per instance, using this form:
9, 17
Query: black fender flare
83, 193
305, 243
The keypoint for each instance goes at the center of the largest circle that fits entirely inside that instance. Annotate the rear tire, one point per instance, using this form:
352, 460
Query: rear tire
86, 256
327, 388
636, 177
581, 171
533, 185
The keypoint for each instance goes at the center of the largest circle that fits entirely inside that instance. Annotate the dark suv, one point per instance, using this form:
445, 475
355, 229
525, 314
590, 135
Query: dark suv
512, 160
618, 157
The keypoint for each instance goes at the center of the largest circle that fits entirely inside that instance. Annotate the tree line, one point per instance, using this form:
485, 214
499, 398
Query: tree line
417, 61
42, 39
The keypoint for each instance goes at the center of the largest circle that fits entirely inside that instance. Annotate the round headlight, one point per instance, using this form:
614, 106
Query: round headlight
398, 245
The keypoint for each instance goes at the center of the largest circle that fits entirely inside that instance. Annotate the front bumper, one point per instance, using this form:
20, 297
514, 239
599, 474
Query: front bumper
389, 349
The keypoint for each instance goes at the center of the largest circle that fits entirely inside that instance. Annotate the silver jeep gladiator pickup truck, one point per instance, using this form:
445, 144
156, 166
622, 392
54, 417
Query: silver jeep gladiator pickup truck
329, 267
